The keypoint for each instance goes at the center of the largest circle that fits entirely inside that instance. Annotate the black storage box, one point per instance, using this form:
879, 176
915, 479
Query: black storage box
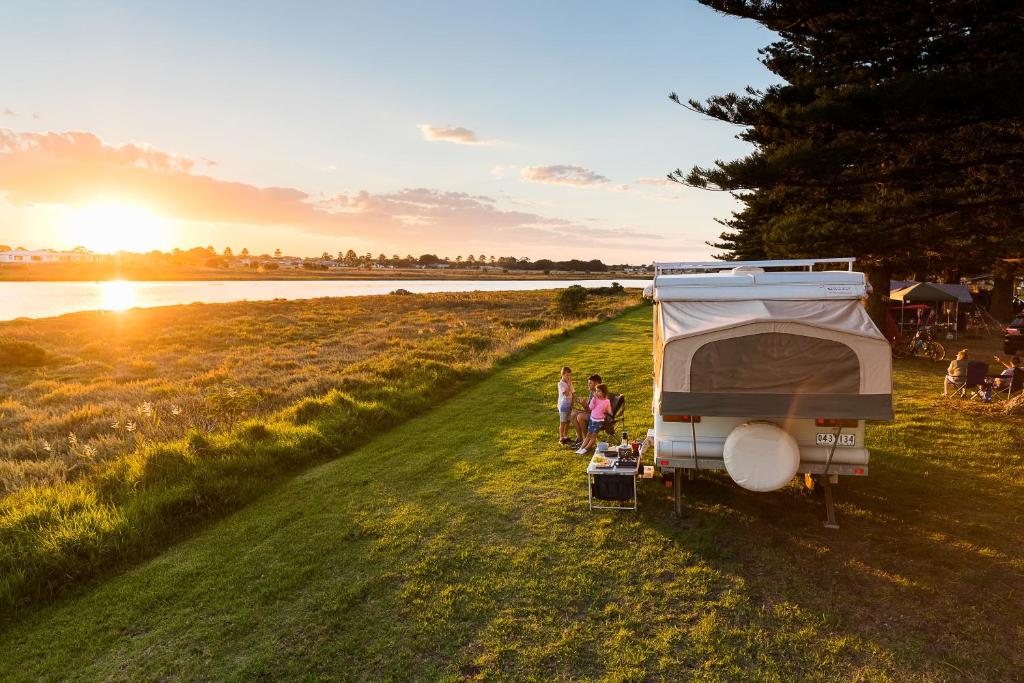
612, 487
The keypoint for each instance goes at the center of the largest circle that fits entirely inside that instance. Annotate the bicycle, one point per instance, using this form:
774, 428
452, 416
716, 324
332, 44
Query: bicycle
921, 345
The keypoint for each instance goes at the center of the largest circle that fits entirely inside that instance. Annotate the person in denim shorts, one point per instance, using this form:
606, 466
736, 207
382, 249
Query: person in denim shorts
600, 410
566, 391
581, 411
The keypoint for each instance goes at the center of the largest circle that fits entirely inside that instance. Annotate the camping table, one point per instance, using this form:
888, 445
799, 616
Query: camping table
631, 472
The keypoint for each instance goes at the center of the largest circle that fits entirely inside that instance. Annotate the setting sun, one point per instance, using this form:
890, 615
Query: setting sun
118, 295
109, 228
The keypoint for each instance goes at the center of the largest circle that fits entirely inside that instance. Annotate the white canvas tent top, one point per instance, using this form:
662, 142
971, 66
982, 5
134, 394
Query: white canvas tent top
747, 342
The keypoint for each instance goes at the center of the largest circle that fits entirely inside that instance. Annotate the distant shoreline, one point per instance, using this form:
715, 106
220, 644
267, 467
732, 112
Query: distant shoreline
44, 273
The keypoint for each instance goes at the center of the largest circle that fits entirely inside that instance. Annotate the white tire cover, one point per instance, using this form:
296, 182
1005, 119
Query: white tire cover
760, 456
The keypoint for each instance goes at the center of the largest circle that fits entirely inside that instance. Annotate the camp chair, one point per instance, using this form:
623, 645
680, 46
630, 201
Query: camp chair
977, 372
1015, 386
617, 420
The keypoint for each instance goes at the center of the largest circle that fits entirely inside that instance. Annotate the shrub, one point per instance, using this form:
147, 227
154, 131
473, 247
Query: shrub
401, 292
571, 299
612, 290
19, 354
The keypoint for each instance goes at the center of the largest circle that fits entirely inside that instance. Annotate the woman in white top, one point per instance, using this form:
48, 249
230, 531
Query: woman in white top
1005, 378
565, 397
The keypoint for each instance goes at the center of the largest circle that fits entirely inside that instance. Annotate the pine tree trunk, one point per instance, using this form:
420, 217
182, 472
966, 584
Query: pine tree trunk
878, 279
1003, 277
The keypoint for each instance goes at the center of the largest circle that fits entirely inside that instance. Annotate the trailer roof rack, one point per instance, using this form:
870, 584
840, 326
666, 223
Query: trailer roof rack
807, 263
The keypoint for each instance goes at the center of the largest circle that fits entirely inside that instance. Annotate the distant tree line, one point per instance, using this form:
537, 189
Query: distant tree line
212, 258
896, 135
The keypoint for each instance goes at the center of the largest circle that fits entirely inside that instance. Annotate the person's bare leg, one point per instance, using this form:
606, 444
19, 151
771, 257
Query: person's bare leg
581, 425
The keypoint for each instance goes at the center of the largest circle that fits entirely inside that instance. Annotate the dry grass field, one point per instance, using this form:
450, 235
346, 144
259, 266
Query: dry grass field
116, 429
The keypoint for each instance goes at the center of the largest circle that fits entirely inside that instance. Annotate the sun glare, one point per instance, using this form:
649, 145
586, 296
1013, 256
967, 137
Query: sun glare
109, 228
118, 295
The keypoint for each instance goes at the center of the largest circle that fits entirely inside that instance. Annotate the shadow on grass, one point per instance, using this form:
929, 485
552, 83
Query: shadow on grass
460, 546
927, 567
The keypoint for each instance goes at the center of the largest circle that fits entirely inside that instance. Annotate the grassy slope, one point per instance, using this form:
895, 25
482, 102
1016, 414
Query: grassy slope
459, 545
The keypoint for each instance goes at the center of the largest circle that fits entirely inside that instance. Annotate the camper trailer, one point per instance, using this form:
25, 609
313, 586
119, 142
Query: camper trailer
766, 369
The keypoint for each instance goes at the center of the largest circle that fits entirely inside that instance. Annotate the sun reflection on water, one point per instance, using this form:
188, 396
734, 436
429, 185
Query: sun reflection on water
118, 295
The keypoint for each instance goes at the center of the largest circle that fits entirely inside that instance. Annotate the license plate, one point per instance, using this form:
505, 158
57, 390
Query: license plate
828, 438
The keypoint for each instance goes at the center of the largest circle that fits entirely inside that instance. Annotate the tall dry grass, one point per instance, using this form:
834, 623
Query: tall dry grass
137, 425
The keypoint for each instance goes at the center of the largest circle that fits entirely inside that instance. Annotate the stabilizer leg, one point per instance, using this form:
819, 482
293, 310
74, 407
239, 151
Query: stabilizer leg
830, 506
677, 490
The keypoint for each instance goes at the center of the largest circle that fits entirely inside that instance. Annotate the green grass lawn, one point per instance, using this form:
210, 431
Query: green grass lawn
459, 546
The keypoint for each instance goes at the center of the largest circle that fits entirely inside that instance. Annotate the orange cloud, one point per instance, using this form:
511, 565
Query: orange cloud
79, 169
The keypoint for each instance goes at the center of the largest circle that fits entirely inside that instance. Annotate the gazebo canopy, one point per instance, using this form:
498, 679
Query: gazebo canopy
961, 292
922, 292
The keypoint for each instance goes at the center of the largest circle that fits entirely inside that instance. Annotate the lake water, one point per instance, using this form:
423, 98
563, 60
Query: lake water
45, 299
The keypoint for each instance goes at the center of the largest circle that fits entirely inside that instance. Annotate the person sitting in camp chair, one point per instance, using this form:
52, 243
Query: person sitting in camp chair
1005, 378
969, 375
581, 412
600, 410
956, 373
1011, 379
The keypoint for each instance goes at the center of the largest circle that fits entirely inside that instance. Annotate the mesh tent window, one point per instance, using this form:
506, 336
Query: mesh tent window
775, 363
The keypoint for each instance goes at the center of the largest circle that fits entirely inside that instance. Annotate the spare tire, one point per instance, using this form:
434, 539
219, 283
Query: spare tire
760, 456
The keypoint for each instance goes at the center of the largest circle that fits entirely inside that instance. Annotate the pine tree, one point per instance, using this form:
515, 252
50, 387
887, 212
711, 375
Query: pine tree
896, 136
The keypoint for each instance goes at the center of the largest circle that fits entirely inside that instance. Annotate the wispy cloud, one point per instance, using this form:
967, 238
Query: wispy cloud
662, 182
78, 168
563, 174
457, 134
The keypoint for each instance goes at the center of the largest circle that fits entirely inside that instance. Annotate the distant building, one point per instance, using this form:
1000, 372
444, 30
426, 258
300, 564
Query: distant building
41, 256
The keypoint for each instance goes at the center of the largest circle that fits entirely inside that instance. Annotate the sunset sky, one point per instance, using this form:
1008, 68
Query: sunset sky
532, 129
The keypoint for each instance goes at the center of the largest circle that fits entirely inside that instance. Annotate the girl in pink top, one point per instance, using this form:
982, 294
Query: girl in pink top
600, 409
